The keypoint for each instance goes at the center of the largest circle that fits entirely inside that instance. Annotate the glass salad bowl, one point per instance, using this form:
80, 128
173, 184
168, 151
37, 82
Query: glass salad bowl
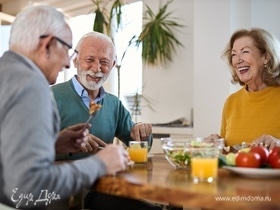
179, 151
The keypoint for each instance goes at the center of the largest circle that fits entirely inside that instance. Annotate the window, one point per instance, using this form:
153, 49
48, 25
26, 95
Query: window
131, 66
4, 38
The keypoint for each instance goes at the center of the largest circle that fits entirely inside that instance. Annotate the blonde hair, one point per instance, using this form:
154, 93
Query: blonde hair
268, 44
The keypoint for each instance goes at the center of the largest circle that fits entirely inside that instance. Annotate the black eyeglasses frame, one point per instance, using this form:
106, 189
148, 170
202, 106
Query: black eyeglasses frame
61, 41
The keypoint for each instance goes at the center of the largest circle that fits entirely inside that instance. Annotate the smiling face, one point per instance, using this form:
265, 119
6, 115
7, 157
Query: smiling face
94, 62
248, 62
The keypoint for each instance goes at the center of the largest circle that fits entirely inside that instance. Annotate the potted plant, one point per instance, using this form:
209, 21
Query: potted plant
136, 102
157, 37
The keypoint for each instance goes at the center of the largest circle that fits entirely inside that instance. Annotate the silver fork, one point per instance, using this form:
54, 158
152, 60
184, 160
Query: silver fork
88, 120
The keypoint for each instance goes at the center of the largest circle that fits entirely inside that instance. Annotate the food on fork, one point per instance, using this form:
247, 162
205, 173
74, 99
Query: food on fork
93, 107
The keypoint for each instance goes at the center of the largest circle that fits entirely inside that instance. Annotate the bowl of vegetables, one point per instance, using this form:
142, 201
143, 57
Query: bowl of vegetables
179, 151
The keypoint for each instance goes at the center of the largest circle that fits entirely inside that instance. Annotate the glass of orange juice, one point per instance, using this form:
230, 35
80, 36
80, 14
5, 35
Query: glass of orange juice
138, 151
204, 164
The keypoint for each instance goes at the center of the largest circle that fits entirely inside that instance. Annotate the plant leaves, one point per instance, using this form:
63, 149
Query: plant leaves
116, 13
99, 21
157, 36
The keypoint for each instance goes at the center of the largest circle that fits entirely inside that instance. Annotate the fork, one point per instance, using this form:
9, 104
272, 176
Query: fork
88, 120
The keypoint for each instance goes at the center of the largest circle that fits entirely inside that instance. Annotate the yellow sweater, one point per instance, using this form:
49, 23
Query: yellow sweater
248, 115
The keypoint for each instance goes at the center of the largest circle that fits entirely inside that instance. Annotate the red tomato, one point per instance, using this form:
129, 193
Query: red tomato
274, 157
248, 159
263, 152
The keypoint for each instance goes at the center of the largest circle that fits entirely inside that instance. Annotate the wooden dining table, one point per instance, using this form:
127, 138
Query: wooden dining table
159, 182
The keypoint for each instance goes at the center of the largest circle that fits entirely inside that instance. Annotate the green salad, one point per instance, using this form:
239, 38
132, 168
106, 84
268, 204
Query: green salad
179, 154
179, 158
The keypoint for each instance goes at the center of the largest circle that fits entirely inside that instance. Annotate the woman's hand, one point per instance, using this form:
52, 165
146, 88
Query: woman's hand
212, 137
267, 141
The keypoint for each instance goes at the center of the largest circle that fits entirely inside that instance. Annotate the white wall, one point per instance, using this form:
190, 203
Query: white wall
198, 77
211, 78
171, 86
266, 14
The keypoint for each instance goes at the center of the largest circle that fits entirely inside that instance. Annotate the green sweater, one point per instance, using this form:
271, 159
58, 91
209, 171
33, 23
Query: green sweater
113, 119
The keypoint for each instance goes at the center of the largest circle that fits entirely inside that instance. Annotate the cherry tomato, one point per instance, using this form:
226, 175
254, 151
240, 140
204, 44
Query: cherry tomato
274, 157
263, 152
248, 159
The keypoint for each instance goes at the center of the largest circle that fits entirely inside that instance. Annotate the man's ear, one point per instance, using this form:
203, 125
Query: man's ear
75, 62
114, 63
45, 44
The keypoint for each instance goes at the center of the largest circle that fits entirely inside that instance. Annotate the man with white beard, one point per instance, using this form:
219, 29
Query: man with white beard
95, 58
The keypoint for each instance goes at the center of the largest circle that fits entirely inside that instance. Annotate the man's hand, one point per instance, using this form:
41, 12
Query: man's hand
72, 139
115, 158
141, 131
92, 145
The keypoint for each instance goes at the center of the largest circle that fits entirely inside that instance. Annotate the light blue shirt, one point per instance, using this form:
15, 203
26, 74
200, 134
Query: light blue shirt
82, 92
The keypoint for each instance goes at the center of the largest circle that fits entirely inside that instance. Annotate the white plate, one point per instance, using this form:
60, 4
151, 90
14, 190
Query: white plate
254, 172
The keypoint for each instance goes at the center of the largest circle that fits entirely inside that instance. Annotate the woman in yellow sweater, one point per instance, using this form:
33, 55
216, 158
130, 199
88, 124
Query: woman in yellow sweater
252, 114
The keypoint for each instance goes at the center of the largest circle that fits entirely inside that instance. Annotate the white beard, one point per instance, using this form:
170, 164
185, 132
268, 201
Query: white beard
91, 85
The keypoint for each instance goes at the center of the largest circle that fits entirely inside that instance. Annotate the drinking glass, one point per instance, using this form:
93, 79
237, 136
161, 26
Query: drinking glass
138, 151
204, 164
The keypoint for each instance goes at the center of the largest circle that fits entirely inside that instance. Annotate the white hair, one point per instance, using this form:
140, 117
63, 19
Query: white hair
99, 36
34, 21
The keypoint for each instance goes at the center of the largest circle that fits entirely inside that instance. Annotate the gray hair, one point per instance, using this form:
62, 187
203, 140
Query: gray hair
99, 36
34, 21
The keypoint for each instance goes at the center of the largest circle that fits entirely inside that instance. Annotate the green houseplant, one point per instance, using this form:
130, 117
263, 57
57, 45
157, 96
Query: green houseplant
106, 20
157, 37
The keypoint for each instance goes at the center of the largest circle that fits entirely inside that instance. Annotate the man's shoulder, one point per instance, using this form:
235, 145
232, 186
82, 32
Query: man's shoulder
61, 91
112, 98
60, 86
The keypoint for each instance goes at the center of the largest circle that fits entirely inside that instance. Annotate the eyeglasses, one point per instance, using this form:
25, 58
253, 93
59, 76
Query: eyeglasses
71, 52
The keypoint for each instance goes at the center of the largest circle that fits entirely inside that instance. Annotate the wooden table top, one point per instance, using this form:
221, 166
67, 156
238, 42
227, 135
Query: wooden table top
159, 182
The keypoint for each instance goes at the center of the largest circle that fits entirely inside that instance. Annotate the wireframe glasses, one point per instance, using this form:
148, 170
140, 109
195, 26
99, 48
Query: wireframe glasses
71, 52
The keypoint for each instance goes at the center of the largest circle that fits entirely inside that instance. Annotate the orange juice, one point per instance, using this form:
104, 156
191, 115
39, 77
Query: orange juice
138, 155
138, 151
204, 168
